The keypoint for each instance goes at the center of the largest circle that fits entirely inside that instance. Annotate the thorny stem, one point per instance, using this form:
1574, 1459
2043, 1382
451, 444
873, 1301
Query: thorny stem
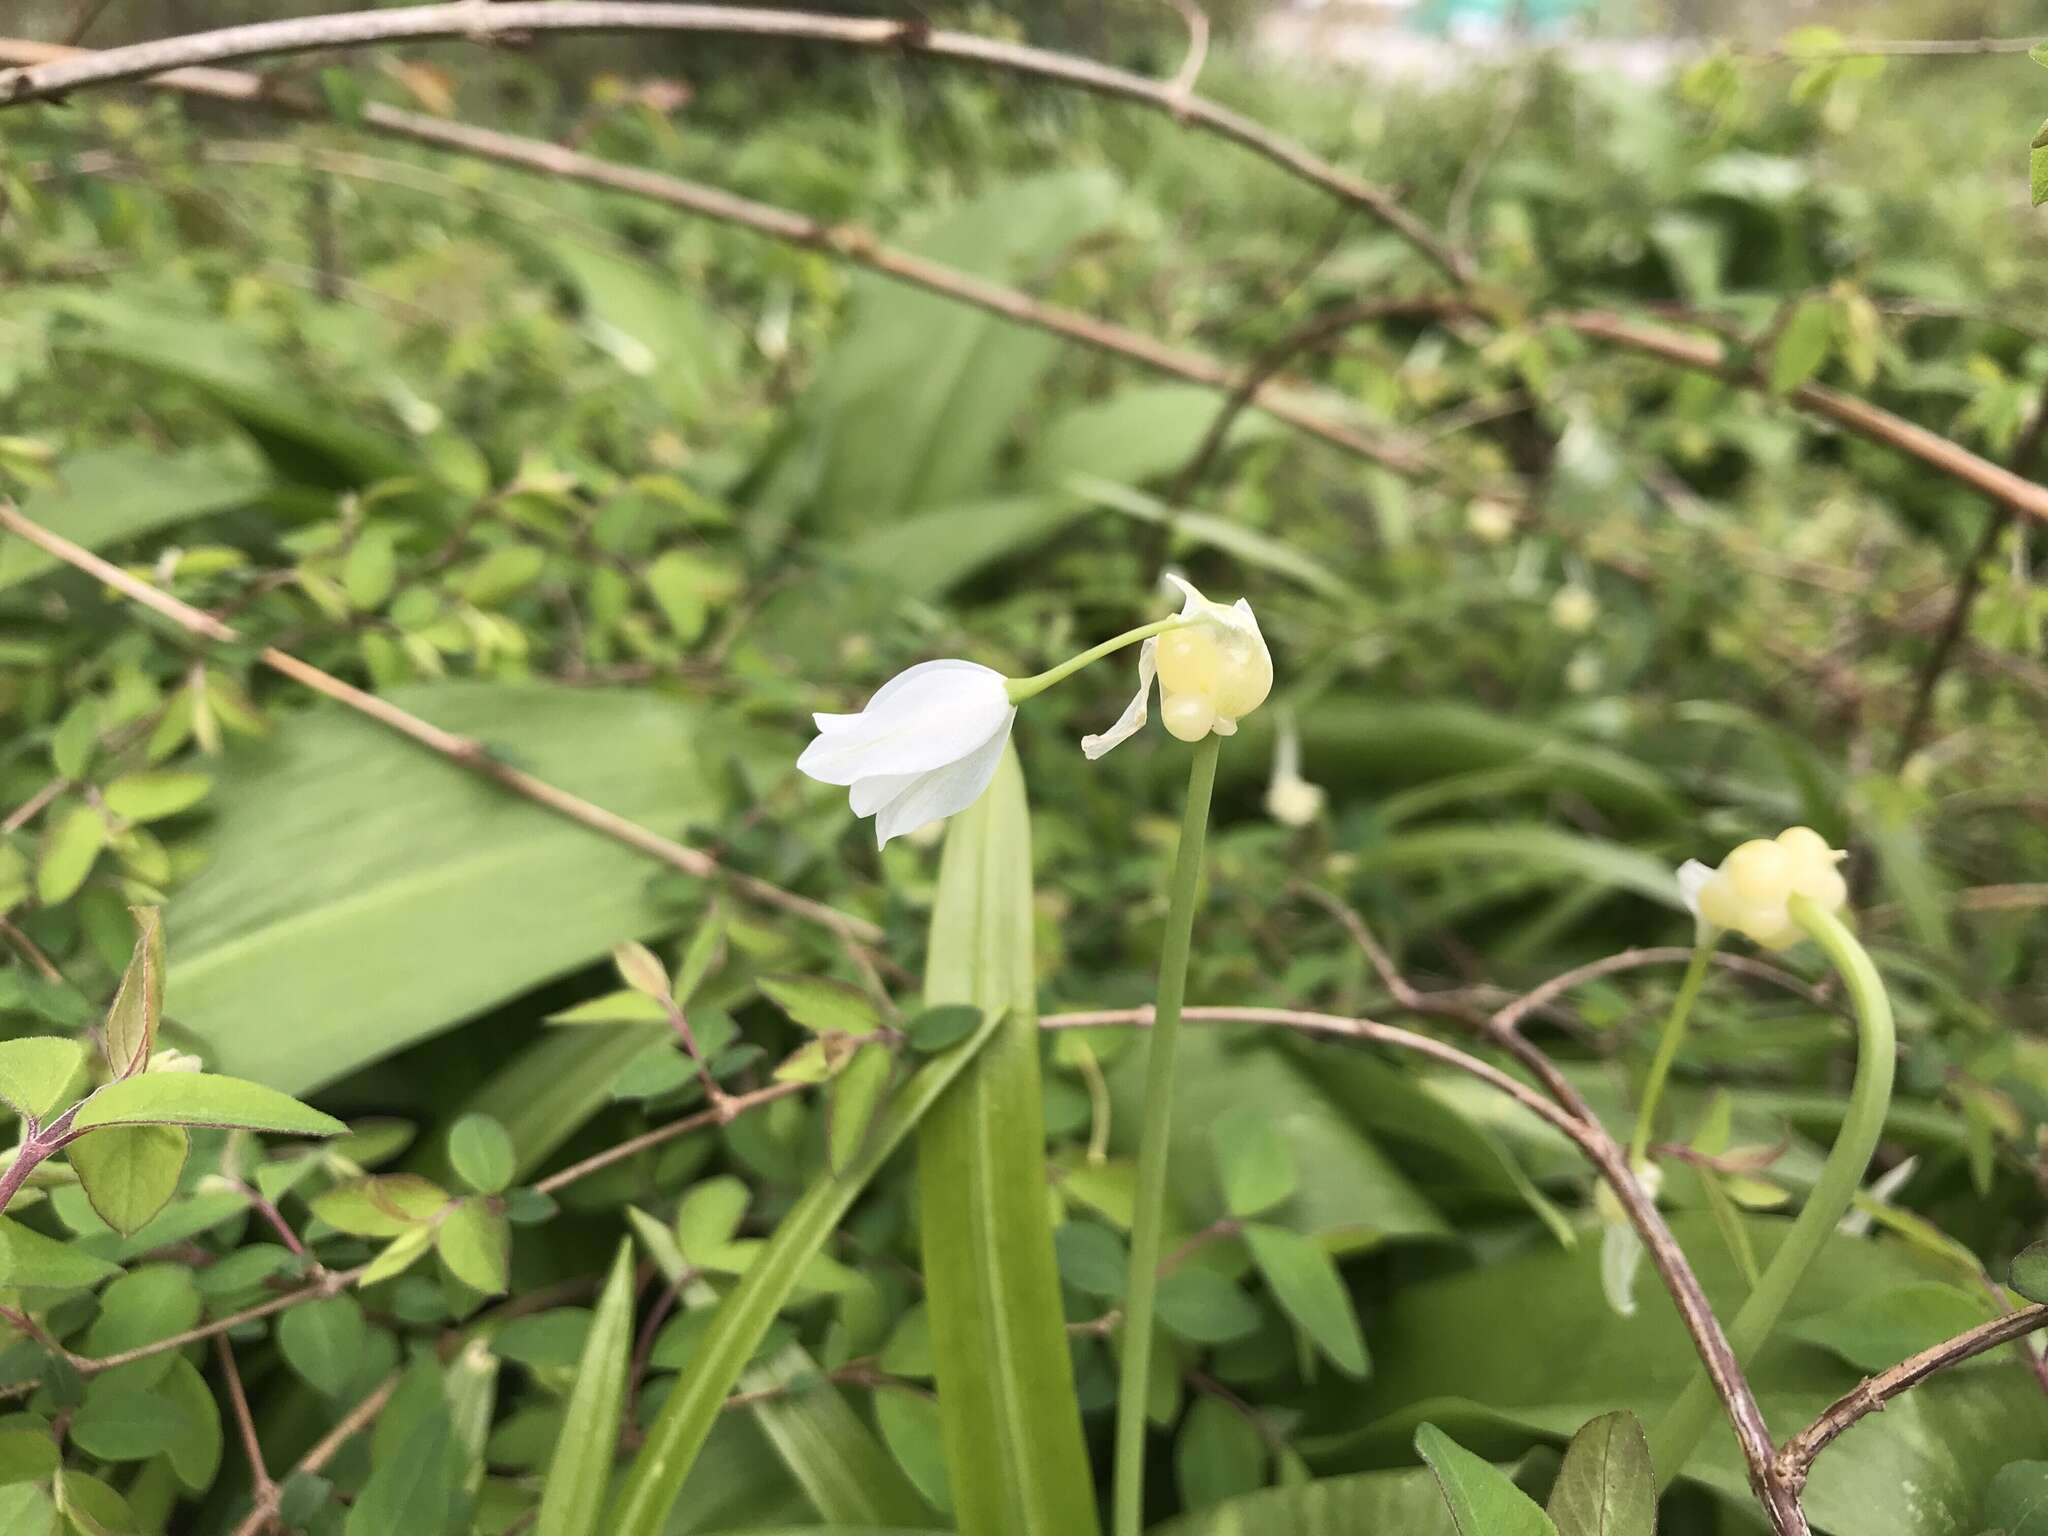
1022, 688
1673, 1440
1154, 1134
1668, 1043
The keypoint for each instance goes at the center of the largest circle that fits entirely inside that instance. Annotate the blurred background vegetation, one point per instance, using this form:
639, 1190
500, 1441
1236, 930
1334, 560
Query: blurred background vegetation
624, 495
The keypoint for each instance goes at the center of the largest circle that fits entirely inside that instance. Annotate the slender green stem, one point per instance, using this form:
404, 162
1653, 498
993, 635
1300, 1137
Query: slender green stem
1149, 1215
1022, 688
1674, 1439
1667, 1047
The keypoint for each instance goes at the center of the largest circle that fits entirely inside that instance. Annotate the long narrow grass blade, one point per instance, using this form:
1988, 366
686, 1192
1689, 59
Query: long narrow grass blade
1011, 1421
582, 1465
678, 1434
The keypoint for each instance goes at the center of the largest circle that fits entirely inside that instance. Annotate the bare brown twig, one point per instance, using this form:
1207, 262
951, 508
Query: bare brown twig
456, 749
325, 1450
481, 23
1870, 1395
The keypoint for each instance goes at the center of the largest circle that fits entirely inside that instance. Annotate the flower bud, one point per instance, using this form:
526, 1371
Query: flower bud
1490, 521
1752, 890
1574, 609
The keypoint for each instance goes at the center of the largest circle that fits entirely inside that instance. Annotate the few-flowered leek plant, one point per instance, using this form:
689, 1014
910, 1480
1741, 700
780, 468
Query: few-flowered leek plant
927, 745
1775, 892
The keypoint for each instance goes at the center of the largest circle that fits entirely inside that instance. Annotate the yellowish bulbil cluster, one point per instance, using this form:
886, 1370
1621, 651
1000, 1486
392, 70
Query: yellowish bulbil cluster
1210, 676
1751, 890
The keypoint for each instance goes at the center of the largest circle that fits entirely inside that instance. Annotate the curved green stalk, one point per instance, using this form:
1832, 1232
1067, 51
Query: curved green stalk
1149, 1212
1022, 688
1674, 1439
1667, 1047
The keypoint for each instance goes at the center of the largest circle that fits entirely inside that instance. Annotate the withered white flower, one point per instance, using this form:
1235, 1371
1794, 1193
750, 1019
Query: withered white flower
1751, 891
925, 746
1213, 669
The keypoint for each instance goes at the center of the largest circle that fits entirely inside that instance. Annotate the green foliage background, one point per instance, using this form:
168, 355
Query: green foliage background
622, 497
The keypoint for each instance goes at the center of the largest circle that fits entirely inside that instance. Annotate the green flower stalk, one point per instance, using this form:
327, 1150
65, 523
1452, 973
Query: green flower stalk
1673, 1440
1668, 1044
1149, 1215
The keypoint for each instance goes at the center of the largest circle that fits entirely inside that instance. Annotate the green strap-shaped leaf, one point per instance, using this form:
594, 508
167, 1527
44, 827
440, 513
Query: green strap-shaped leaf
848, 1475
1483, 1499
742, 1319
574, 1496
1607, 1486
202, 1098
1006, 1387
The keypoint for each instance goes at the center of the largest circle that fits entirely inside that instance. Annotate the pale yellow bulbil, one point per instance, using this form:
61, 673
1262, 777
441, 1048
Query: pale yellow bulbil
1208, 672
1751, 890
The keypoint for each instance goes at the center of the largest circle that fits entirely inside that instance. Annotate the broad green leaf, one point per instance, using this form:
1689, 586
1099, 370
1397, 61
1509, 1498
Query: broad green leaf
742, 1319
822, 1005
1205, 1307
1247, 546
1882, 1327
1218, 1454
109, 495
30, 1260
92, 1507
130, 1172
930, 551
196, 1450
1607, 1485
1005, 1378
920, 391
481, 1153
380, 1205
144, 1306
323, 1341
573, 1497
916, 1438
1542, 850
422, 864
203, 1098
26, 1455
36, 1072
936, 1028
1803, 345
121, 1422
130, 1030
1305, 1282
398, 1255
852, 1100
475, 1242
72, 840
1483, 1499
1138, 433
26, 1510
2030, 1271
2016, 1502
1253, 1161
153, 796
650, 320
1092, 1259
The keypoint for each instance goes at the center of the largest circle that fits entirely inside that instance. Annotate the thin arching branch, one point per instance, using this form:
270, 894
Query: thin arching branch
1870, 1395
482, 22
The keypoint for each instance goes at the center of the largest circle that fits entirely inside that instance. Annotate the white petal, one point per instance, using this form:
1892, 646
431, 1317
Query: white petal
1692, 876
1132, 720
923, 718
869, 795
942, 792
829, 723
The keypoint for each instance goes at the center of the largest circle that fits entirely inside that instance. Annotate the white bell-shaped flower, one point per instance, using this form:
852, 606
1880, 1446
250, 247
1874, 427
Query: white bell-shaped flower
1752, 890
925, 746
1213, 670
1291, 800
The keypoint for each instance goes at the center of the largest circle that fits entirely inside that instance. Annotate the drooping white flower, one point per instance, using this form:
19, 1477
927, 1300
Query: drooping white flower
1752, 890
925, 746
1213, 670
1291, 800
